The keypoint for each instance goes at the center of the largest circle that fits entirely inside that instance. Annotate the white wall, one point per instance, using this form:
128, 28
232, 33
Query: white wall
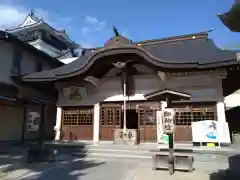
232, 100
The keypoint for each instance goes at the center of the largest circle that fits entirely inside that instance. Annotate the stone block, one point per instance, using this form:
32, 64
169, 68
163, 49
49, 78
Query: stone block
183, 162
160, 161
130, 137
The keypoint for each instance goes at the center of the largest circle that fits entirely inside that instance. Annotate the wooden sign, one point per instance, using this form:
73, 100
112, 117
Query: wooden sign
168, 121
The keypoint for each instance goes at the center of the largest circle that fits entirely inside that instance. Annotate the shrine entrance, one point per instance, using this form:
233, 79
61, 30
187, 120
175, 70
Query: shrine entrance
147, 116
140, 116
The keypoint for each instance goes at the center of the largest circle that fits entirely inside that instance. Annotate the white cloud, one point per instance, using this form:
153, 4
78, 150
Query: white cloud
86, 44
11, 16
92, 30
91, 20
94, 23
97, 32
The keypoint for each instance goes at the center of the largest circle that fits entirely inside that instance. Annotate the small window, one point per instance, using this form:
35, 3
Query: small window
16, 62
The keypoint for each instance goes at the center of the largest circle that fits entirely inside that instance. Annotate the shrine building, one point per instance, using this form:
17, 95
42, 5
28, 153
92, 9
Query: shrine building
121, 86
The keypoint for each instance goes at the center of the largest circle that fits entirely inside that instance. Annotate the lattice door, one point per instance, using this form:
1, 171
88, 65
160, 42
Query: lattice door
110, 119
77, 123
147, 123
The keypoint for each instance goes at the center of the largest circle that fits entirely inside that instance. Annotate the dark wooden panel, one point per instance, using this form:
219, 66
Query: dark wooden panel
77, 133
183, 134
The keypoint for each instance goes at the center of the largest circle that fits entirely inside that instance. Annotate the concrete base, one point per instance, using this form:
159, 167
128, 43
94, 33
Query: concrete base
183, 159
40, 155
130, 137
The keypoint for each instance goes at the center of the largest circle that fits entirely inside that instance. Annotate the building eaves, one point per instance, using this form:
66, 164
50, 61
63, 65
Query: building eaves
62, 33
193, 53
13, 39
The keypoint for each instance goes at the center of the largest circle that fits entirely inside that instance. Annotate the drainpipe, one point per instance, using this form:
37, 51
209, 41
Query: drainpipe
124, 102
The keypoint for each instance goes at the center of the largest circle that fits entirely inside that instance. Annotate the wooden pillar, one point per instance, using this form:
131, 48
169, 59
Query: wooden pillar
42, 123
24, 124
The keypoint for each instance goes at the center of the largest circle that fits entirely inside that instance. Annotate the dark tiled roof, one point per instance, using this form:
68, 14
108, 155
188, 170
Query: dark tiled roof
13, 39
193, 52
202, 51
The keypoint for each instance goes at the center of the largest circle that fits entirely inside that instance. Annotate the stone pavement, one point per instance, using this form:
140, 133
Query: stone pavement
14, 167
20, 171
146, 173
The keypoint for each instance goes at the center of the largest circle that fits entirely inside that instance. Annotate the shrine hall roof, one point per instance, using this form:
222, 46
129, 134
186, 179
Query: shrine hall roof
192, 51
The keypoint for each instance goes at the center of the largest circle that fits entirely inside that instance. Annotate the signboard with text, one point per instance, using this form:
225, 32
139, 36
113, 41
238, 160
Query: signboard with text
162, 138
168, 120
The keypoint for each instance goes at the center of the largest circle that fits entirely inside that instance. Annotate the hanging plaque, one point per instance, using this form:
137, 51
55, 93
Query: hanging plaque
33, 121
168, 121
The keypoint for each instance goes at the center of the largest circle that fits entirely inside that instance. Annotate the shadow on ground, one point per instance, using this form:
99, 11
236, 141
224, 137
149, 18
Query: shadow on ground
13, 165
232, 173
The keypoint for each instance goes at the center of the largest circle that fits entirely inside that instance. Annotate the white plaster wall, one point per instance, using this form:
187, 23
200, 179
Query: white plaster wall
202, 87
232, 100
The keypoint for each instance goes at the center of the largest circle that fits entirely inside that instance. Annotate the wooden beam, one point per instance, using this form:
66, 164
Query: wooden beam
162, 75
95, 81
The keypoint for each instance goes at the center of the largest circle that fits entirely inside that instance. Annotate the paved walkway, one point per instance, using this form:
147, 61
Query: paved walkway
21, 171
14, 167
146, 173
229, 150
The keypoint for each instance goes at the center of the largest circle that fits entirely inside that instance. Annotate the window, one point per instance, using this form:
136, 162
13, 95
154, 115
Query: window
16, 61
78, 117
187, 115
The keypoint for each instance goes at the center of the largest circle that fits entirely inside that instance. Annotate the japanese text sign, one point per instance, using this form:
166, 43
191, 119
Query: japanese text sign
168, 120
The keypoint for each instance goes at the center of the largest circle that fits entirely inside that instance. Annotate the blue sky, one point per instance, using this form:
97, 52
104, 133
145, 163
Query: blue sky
90, 22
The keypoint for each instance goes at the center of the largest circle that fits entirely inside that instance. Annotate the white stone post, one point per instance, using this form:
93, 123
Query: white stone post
223, 134
221, 117
57, 127
96, 123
